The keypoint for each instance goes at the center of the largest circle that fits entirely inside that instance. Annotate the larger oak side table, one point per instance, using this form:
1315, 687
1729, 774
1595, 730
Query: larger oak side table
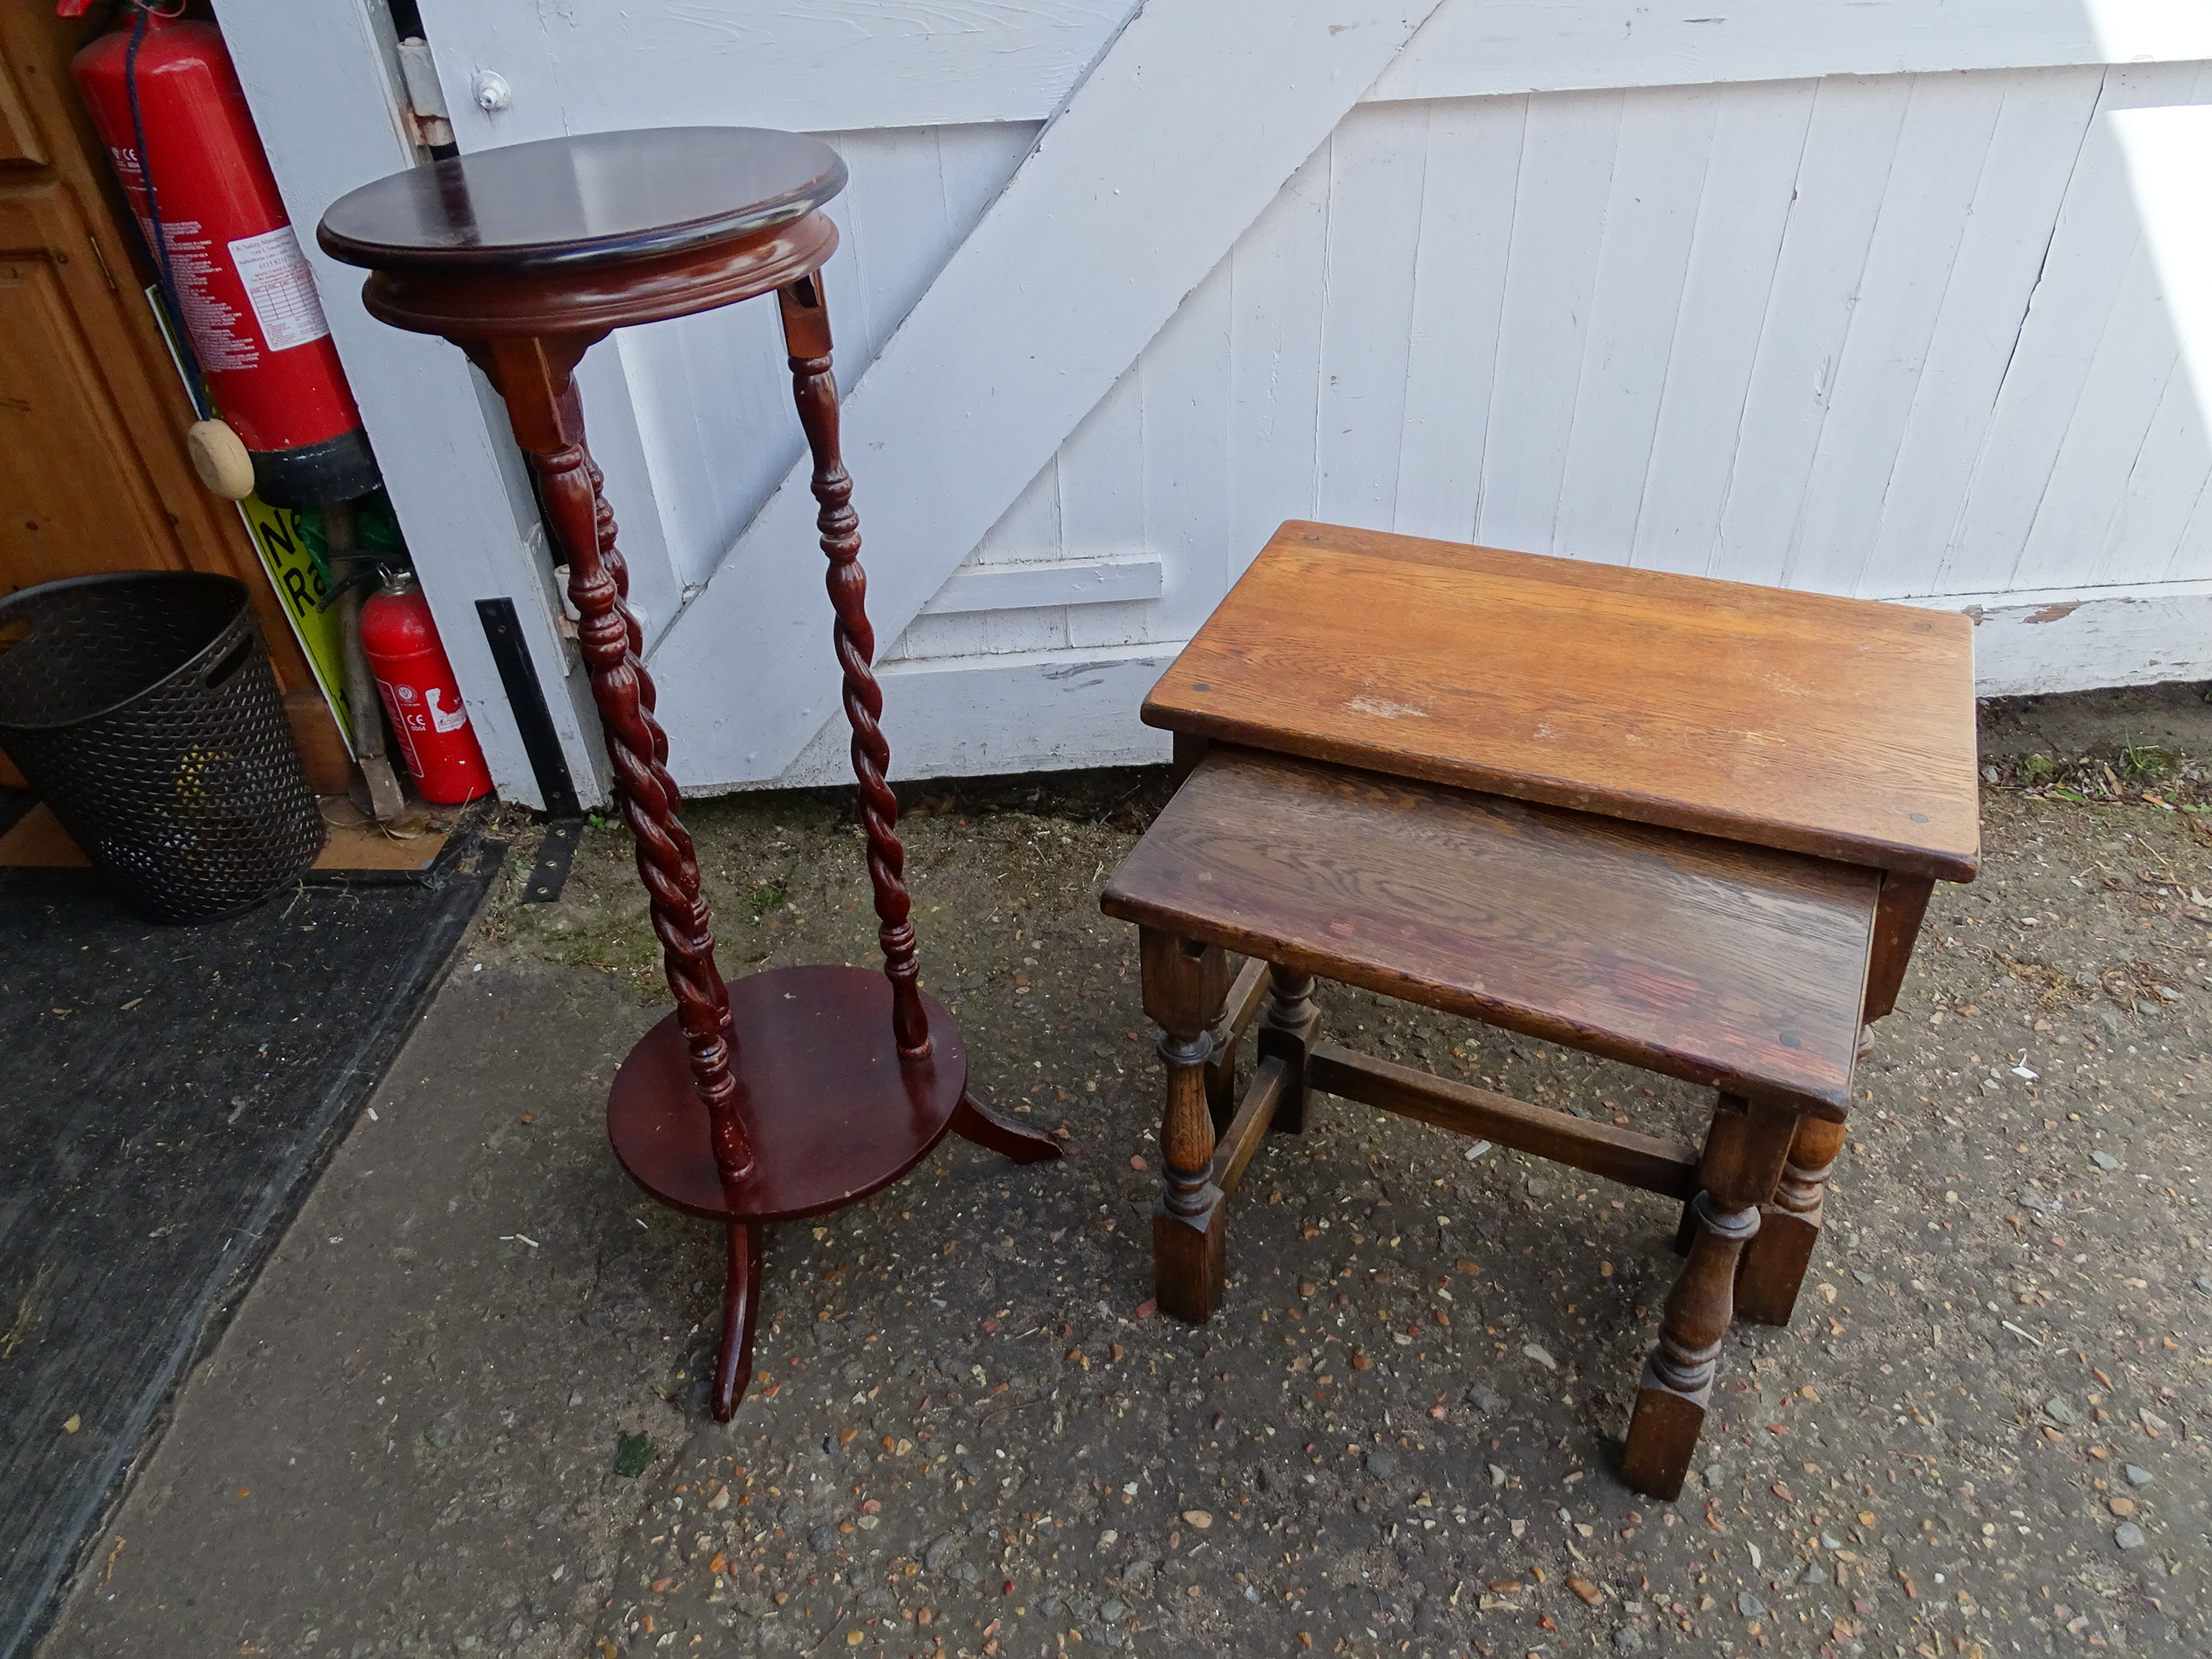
1688, 825
798, 1091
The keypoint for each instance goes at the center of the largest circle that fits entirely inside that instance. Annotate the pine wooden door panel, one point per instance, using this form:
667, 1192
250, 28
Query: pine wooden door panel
78, 497
19, 143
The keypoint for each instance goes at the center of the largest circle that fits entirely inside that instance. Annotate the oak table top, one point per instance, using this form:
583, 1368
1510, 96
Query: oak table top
1842, 728
1735, 966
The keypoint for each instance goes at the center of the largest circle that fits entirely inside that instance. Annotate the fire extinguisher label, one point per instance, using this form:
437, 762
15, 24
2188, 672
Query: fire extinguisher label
445, 720
281, 288
217, 340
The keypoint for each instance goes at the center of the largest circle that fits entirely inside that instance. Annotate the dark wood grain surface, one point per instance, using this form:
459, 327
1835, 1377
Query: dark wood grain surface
794, 1092
1736, 966
1837, 727
584, 198
830, 1110
557, 242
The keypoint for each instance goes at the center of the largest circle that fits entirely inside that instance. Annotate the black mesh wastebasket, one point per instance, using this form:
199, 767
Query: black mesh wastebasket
142, 708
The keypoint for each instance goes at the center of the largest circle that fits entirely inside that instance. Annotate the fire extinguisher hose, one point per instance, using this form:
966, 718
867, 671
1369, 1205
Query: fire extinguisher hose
194, 387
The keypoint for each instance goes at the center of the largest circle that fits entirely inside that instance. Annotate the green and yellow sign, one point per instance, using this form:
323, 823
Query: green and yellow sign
280, 537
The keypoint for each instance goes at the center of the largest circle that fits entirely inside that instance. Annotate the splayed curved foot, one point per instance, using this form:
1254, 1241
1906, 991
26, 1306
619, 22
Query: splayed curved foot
993, 1133
733, 1365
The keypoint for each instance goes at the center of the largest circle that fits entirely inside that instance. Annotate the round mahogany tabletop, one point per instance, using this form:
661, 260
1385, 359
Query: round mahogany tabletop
584, 198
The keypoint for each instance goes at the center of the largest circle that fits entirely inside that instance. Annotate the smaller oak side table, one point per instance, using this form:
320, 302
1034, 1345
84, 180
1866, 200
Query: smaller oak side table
798, 1091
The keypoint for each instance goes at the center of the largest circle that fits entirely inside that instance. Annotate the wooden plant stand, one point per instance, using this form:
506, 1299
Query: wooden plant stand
798, 1091
1687, 824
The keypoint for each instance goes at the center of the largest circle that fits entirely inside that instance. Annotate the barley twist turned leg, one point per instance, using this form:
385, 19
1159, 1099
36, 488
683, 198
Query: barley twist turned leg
617, 567
534, 378
814, 389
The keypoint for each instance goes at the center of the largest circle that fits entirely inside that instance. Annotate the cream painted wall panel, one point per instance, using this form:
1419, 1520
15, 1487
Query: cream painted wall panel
1911, 260
1082, 259
1184, 377
2144, 535
1101, 477
2128, 375
1568, 151
1278, 276
1642, 266
1030, 528
812, 66
2168, 153
1886, 334
1471, 48
2091, 245
1376, 180
825, 66
1758, 144
1029, 532
2061, 640
1459, 253
1753, 331
1101, 473
1842, 175
1995, 269
966, 634
1021, 712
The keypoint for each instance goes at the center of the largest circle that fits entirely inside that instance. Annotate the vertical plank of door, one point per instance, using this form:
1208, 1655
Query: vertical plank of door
1998, 271
1567, 157
1735, 251
1635, 317
1460, 249
1842, 174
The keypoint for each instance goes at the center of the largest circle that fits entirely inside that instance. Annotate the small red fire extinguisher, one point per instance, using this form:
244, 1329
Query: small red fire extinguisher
166, 102
419, 693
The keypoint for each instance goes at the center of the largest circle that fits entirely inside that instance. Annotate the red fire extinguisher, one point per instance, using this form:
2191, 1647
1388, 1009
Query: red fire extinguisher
419, 693
166, 103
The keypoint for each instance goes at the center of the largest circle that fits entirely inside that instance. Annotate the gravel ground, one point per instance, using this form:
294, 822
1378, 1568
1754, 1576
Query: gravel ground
969, 1434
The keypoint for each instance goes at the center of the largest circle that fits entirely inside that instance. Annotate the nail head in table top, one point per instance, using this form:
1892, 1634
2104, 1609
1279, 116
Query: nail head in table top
1842, 728
586, 197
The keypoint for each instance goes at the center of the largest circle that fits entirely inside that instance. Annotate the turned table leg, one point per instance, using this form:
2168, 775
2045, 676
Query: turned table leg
1775, 1263
1744, 1155
1184, 983
1287, 1030
533, 377
814, 391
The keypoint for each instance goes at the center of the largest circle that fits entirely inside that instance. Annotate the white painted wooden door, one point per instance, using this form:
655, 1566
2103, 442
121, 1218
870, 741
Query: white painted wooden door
1886, 297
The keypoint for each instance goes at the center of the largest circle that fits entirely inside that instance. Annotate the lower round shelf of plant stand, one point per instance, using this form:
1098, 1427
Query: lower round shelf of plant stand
832, 1113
